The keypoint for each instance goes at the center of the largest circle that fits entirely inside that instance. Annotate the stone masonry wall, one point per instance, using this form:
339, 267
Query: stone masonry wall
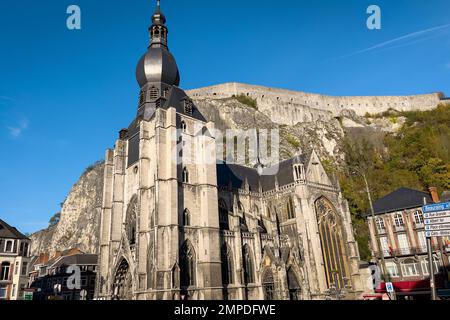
291, 107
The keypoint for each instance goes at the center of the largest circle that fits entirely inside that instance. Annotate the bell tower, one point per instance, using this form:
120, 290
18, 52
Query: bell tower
161, 183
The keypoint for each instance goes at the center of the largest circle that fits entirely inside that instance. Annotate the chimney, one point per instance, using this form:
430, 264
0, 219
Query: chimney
434, 194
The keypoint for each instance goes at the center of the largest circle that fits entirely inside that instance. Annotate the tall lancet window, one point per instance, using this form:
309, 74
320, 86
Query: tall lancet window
185, 175
333, 247
187, 265
248, 267
130, 222
227, 265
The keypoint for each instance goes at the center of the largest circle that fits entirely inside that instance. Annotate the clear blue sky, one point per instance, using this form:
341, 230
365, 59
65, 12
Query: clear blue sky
64, 94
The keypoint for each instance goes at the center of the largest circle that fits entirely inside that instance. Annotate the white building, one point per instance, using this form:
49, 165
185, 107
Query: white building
14, 262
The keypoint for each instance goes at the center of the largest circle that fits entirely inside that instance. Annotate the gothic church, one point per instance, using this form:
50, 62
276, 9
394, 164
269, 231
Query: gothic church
196, 230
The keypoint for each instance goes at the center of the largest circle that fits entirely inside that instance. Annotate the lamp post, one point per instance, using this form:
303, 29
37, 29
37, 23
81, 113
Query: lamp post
384, 273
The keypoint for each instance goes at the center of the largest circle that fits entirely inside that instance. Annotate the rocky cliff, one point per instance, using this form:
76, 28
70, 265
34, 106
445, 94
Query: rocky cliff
301, 127
80, 217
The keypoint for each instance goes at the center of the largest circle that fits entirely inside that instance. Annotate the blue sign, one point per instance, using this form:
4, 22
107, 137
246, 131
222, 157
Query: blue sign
436, 207
390, 287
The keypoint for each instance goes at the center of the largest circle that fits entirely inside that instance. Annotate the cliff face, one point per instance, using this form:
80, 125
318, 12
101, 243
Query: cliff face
80, 217
301, 127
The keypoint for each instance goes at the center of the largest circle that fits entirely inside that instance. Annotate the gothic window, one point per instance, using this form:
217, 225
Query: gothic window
268, 285
295, 291
187, 265
248, 267
290, 209
186, 218
123, 283
185, 175
333, 250
130, 223
188, 107
380, 224
150, 261
223, 215
398, 220
298, 172
165, 92
227, 265
243, 224
154, 93
183, 127
418, 217
4, 271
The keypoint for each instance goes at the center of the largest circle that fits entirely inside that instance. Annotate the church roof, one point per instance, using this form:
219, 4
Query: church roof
236, 175
9, 232
401, 199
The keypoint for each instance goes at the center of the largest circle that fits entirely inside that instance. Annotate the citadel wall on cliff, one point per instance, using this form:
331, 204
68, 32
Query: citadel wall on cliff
291, 107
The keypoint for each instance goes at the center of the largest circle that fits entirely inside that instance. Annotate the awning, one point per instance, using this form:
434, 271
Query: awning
413, 287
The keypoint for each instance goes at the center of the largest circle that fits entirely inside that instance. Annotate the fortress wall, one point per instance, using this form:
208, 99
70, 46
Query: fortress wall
290, 107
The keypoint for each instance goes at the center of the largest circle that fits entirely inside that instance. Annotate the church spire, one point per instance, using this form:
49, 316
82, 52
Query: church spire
158, 30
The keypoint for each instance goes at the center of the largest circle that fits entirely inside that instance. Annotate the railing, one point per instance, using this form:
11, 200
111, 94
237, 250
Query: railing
405, 251
399, 228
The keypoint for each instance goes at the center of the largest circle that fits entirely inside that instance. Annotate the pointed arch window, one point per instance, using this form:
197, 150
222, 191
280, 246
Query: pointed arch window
248, 267
187, 265
295, 291
223, 215
268, 285
150, 271
333, 249
186, 218
183, 127
185, 175
130, 223
227, 265
290, 209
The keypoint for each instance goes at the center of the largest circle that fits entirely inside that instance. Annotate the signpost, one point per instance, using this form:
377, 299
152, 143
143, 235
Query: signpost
28, 295
390, 287
437, 224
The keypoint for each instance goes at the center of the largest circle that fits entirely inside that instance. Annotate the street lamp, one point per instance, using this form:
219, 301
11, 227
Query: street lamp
384, 273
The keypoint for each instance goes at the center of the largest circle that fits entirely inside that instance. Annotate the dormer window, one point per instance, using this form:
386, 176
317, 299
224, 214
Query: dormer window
188, 107
299, 172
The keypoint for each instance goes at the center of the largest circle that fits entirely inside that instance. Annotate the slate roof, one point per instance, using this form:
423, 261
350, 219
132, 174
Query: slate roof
236, 175
77, 259
7, 231
401, 199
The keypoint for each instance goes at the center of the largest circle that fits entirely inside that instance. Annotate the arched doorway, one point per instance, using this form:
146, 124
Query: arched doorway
268, 285
295, 291
123, 282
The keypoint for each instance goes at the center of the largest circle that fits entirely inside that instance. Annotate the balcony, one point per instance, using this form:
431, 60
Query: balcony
399, 228
419, 225
409, 251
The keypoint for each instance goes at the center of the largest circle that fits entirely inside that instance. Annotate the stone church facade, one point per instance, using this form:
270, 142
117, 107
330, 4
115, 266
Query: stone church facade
193, 229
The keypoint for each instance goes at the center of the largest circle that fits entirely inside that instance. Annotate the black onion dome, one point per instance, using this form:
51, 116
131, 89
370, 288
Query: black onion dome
157, 65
